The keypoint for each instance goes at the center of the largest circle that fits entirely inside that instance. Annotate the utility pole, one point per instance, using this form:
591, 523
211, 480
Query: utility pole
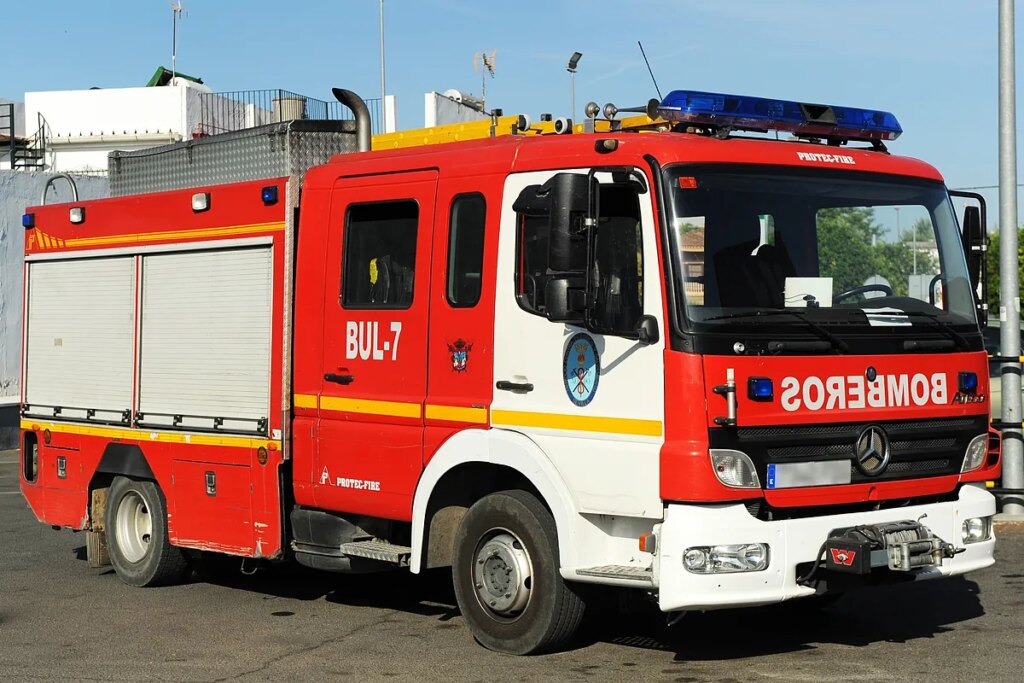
175, 12
383, 92
1009, 282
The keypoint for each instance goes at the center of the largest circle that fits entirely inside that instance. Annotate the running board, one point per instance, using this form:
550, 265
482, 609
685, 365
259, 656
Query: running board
619, 571
382, 551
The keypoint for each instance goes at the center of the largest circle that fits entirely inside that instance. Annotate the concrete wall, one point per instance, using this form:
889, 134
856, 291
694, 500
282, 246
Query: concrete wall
19, 190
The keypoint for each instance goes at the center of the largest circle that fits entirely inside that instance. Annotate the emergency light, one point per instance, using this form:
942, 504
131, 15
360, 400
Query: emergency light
967, 382
741, 112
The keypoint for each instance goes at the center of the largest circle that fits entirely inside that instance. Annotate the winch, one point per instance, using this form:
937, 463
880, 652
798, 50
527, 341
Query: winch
901, 546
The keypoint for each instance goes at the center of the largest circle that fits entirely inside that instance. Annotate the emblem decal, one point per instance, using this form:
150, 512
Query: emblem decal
843, 557
871, 451
581, 369
460, 349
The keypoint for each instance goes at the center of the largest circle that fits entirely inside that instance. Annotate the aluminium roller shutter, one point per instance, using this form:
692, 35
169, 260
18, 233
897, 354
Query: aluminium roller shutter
205, 338
80, 327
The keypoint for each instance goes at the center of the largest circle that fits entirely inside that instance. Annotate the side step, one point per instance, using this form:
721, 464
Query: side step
619, 571
382, 551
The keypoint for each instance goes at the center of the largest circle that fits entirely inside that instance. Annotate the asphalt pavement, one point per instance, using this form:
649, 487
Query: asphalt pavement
61, 620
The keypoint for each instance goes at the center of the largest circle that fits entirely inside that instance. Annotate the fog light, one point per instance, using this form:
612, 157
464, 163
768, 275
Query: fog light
976, 529
975, 454
726, 559
734, 468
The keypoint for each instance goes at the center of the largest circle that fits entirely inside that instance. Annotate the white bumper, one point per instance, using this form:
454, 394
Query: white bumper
791, 543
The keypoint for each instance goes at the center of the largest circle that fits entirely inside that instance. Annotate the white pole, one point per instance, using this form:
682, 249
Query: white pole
383, 90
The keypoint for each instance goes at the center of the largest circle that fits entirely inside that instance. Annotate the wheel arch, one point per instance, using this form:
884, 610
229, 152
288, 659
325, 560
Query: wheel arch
118, 459
472, 464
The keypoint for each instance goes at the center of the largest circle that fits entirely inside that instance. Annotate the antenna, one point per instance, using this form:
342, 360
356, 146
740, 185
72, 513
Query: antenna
488, 66
656, 88
175, 11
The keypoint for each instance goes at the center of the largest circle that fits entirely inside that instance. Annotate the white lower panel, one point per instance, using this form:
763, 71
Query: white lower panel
791, 543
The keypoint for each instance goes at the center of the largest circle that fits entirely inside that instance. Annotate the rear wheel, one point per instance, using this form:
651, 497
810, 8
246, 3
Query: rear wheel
506, 576
136, 529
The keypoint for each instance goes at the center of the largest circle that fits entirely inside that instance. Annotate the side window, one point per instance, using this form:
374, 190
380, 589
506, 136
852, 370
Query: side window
616, 270
379, 255
465, 250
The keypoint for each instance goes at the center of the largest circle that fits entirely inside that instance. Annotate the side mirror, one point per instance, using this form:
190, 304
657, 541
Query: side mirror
564, 299
570, 204
975, 243
647, 330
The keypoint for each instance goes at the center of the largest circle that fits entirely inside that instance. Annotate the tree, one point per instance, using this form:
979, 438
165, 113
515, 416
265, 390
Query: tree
921, 231
993, 268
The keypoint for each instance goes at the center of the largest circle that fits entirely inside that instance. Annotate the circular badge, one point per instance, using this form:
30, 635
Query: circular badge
581, 369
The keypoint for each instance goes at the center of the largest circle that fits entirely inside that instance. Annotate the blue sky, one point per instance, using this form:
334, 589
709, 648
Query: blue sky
931, 62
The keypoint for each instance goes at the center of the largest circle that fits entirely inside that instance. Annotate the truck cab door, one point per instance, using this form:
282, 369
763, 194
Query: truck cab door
370, 449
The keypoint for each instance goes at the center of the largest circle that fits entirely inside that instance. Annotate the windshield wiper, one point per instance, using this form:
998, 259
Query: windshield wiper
943, 327
836, 343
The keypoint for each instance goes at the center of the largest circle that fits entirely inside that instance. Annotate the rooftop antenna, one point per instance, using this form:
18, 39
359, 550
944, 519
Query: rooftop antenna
656, 88
484, 63
175, 11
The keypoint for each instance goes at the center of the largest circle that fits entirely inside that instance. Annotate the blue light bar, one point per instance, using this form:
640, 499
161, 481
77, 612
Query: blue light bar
760, 389
740, 112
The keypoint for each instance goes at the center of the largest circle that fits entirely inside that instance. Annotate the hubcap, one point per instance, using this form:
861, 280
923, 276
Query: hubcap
502, 574
134, 527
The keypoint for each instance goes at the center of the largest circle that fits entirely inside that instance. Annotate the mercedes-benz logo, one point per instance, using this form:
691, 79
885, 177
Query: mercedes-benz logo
871, 452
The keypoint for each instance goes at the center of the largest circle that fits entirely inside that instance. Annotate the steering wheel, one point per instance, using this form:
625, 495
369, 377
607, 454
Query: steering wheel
884, 289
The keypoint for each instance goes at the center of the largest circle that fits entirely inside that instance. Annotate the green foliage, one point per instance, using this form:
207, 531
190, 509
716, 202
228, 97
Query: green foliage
850, 250
921, 232
993, 268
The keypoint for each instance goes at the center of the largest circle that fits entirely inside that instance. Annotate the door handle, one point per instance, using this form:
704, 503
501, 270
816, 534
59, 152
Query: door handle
339, 379
505, 385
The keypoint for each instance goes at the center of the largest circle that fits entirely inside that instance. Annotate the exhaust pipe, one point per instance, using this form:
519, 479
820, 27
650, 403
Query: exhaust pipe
358, 107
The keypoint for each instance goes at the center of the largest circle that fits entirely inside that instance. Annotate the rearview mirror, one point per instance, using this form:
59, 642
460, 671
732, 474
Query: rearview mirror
565, 299
975, 244
570, 205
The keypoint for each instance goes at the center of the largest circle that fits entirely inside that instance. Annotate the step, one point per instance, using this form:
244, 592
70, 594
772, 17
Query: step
620, 571
382, 551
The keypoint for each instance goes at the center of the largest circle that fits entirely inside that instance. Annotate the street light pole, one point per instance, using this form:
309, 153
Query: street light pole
1009, 281
571, 68
382, 90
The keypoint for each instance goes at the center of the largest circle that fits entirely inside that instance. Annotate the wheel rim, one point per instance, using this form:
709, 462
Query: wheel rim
134, 527
502, 575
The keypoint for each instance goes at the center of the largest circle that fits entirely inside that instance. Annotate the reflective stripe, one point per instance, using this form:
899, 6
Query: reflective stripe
175, 234
370, 407
457, 414
577, 423
304, 401
147, 435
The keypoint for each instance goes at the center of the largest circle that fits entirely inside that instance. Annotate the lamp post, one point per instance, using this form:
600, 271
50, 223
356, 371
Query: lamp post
571, 68
383, 92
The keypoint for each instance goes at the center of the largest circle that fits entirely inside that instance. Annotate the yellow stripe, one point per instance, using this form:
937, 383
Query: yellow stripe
149, 436
304, 401
577, 423
370, 407
176, 234
457, 414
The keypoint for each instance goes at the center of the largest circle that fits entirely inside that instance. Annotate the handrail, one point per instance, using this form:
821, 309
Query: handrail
65, 176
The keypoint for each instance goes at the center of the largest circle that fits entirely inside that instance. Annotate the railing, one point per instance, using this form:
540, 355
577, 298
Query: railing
7, 130
221, 112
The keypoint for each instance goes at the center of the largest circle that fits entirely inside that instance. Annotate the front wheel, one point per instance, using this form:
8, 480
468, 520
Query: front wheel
136, 529
506, 576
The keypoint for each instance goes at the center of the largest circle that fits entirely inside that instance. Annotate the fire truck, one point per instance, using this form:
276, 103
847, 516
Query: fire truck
667, 353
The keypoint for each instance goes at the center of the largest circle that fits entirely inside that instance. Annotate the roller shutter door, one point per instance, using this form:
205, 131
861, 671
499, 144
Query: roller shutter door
79, 338
205, 339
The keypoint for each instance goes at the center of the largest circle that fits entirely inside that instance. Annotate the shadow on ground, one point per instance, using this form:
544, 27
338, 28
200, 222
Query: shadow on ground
885, 614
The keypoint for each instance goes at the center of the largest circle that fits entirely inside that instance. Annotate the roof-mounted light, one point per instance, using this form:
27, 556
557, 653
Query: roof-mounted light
740, 112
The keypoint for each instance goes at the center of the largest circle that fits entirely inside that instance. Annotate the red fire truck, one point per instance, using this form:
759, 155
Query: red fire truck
665, 353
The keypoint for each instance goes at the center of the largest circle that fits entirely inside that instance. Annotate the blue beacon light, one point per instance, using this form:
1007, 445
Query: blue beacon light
760, 389
967, 382
762, 114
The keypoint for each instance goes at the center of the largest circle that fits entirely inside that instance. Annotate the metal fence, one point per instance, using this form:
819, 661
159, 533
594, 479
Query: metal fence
221, 112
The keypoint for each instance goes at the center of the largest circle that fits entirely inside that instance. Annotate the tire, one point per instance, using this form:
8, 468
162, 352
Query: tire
506, 576
136, 528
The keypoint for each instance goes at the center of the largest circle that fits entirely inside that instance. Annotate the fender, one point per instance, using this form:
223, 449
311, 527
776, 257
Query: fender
498, 447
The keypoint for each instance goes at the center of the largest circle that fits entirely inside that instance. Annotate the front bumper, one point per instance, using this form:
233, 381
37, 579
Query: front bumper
793, 542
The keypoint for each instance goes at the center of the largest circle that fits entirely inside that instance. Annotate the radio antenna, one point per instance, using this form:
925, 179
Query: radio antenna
656, 88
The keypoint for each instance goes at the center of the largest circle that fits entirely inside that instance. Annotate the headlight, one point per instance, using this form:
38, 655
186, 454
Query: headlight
726, 559
975, 455
976, 529
735, 469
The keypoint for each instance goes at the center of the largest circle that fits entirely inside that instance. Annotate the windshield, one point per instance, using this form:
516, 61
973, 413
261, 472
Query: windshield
860, 254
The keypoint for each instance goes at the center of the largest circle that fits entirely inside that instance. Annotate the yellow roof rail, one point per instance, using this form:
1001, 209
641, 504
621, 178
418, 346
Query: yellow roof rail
507, 125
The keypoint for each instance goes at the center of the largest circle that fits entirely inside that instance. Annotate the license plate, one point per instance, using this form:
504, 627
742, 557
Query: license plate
820, 473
